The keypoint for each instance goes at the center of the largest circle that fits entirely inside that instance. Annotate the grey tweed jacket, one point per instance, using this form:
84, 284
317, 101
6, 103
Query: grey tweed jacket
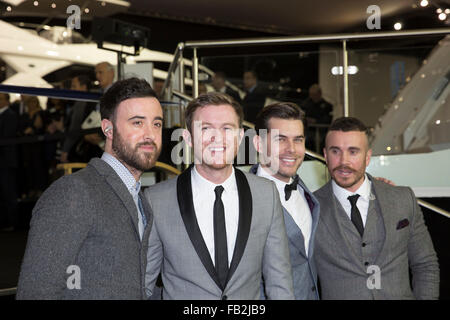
396, 242
88, 220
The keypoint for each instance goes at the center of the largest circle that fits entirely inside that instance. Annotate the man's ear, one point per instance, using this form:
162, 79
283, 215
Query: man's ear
257, 143
187, 137
368, 156
107, 128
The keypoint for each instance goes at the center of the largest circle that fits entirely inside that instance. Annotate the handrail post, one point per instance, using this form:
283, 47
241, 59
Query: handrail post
195, 74
345, 70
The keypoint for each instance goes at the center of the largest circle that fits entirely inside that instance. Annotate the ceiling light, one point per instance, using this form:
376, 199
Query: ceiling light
36, 3
116, 2
86, 10
438, 121
8, 8
442, 16
424, 3
53, 5
397, 26
438, 10
447, 11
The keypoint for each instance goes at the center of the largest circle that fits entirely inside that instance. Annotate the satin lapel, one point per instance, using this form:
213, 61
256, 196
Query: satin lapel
186, 205
245, 220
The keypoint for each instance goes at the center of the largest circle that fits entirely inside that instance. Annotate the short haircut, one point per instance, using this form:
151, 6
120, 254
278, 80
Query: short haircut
84, 80
212, 99
109, 66
220, 74
281, 110
253, 72
347, 124
123, 90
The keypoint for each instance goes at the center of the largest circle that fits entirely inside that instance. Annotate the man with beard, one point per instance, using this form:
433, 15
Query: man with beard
217, 231
89, 231
370, 233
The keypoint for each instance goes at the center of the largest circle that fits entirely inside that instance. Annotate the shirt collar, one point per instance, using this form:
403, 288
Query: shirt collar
363, 190
201, 182
124, 174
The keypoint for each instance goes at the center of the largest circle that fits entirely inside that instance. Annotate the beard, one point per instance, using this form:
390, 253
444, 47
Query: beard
350, 181
139, 160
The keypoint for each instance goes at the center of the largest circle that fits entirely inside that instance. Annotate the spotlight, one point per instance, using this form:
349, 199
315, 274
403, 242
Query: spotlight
36, 3
424, 3
438, 11
397, 26
442, 16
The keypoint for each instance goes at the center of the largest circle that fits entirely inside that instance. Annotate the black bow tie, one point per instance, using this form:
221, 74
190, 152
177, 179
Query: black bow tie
290, 187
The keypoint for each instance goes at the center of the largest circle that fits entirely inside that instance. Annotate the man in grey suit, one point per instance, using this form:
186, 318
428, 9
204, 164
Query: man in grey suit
217, 230
370, 234
281, 146
89, 231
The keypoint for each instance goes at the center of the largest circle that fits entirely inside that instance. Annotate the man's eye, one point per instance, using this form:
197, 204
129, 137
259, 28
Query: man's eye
158, 124
137, 123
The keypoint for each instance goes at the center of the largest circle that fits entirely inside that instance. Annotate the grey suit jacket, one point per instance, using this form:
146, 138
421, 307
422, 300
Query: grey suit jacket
304, 272
89, 220
178, 251
406, 245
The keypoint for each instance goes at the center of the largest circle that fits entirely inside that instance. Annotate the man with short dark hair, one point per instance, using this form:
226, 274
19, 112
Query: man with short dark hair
219, 85
255, 97
89, 231
370, 233
217, 230
8, 165
281, 146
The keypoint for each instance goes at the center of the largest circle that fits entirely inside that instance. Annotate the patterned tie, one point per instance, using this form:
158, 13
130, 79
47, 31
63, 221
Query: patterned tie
220, 238
355, 214
291, 187
141, 209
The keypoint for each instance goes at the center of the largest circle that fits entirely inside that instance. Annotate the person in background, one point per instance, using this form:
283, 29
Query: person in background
218, 83
8, 165
255, 97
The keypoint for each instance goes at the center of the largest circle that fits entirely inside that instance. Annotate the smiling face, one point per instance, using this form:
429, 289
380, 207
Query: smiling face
283, 150
135, 139
216, 137
347, 155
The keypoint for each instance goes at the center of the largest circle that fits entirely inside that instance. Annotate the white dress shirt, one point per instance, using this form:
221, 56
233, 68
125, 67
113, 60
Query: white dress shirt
365, 196
204, 197
297, 206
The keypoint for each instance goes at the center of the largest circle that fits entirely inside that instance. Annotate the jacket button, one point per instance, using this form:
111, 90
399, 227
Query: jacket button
366, 263
363, 244
224, 297
313, 288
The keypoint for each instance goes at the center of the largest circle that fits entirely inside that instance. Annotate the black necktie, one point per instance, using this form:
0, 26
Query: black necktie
220, 238
355, 214
290, 187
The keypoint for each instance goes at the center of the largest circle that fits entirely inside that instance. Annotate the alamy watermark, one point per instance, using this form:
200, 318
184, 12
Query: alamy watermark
74, 20
74, 280
374, 20
374, 280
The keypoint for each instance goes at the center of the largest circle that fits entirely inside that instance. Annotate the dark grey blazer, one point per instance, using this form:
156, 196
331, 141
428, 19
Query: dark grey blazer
87, 219
402, 243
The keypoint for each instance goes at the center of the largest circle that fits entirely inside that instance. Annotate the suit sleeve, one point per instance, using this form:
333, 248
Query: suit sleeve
154, 257
277, 272
422, 257
60, 223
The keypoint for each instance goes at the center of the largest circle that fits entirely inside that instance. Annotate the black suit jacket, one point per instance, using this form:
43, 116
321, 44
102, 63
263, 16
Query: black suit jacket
253, 103
8, 129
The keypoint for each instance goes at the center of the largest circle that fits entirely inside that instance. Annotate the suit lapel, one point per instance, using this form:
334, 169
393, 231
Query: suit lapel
186, 205
382, 198
315, 211
245, 220
119, 189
